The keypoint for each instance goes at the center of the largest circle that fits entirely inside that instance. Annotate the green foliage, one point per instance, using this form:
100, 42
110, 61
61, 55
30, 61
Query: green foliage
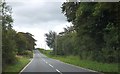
13, 43
69, 9
64, 43
40, 49
97, 30
21, 42
51, 40
93, 65
8, 35
24, 41
22, 61
28, 53
30, 41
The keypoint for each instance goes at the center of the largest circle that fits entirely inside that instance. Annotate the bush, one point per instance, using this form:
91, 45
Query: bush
28, 53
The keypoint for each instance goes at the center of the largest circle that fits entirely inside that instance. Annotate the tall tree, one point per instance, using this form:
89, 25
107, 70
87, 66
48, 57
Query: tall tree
94, 24
51, 40
8, 35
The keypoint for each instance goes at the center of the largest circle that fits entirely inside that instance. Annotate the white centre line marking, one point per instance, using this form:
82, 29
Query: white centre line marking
50, 65
45, 61
58, 71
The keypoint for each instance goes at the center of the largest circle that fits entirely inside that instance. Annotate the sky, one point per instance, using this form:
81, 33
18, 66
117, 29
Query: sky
38, 17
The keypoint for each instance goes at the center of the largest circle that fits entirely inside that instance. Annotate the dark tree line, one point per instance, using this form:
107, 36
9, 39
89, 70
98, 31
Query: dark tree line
95, 33
13, 43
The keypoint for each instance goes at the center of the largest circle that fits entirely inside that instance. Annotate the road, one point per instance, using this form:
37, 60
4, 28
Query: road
44, 65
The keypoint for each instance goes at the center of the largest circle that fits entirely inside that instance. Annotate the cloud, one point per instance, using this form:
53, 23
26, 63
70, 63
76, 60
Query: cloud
38, 17
37, 32
37, 12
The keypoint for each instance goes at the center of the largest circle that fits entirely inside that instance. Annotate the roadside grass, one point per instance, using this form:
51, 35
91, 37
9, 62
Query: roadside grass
22, 61
93, 65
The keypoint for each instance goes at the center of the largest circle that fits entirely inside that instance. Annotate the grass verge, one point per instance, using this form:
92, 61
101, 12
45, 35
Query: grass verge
93, 65
22, 62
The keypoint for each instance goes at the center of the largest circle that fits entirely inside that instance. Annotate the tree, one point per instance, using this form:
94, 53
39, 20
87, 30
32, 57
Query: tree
8, 35
95, 24
51, 40
12, 42
63, 43
24, 41
30, 40
69, 10
21, 42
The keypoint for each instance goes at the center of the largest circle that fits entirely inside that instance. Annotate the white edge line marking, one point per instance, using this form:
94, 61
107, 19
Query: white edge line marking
58, 71
76, 66
50, 65
27, 65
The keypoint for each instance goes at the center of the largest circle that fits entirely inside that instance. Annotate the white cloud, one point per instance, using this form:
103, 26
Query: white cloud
37, 32
36, 1
59, 28
38, 17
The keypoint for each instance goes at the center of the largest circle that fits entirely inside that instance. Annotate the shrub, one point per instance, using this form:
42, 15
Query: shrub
28, 53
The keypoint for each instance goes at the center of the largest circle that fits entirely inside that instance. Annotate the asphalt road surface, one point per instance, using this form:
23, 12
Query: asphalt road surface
41, 64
